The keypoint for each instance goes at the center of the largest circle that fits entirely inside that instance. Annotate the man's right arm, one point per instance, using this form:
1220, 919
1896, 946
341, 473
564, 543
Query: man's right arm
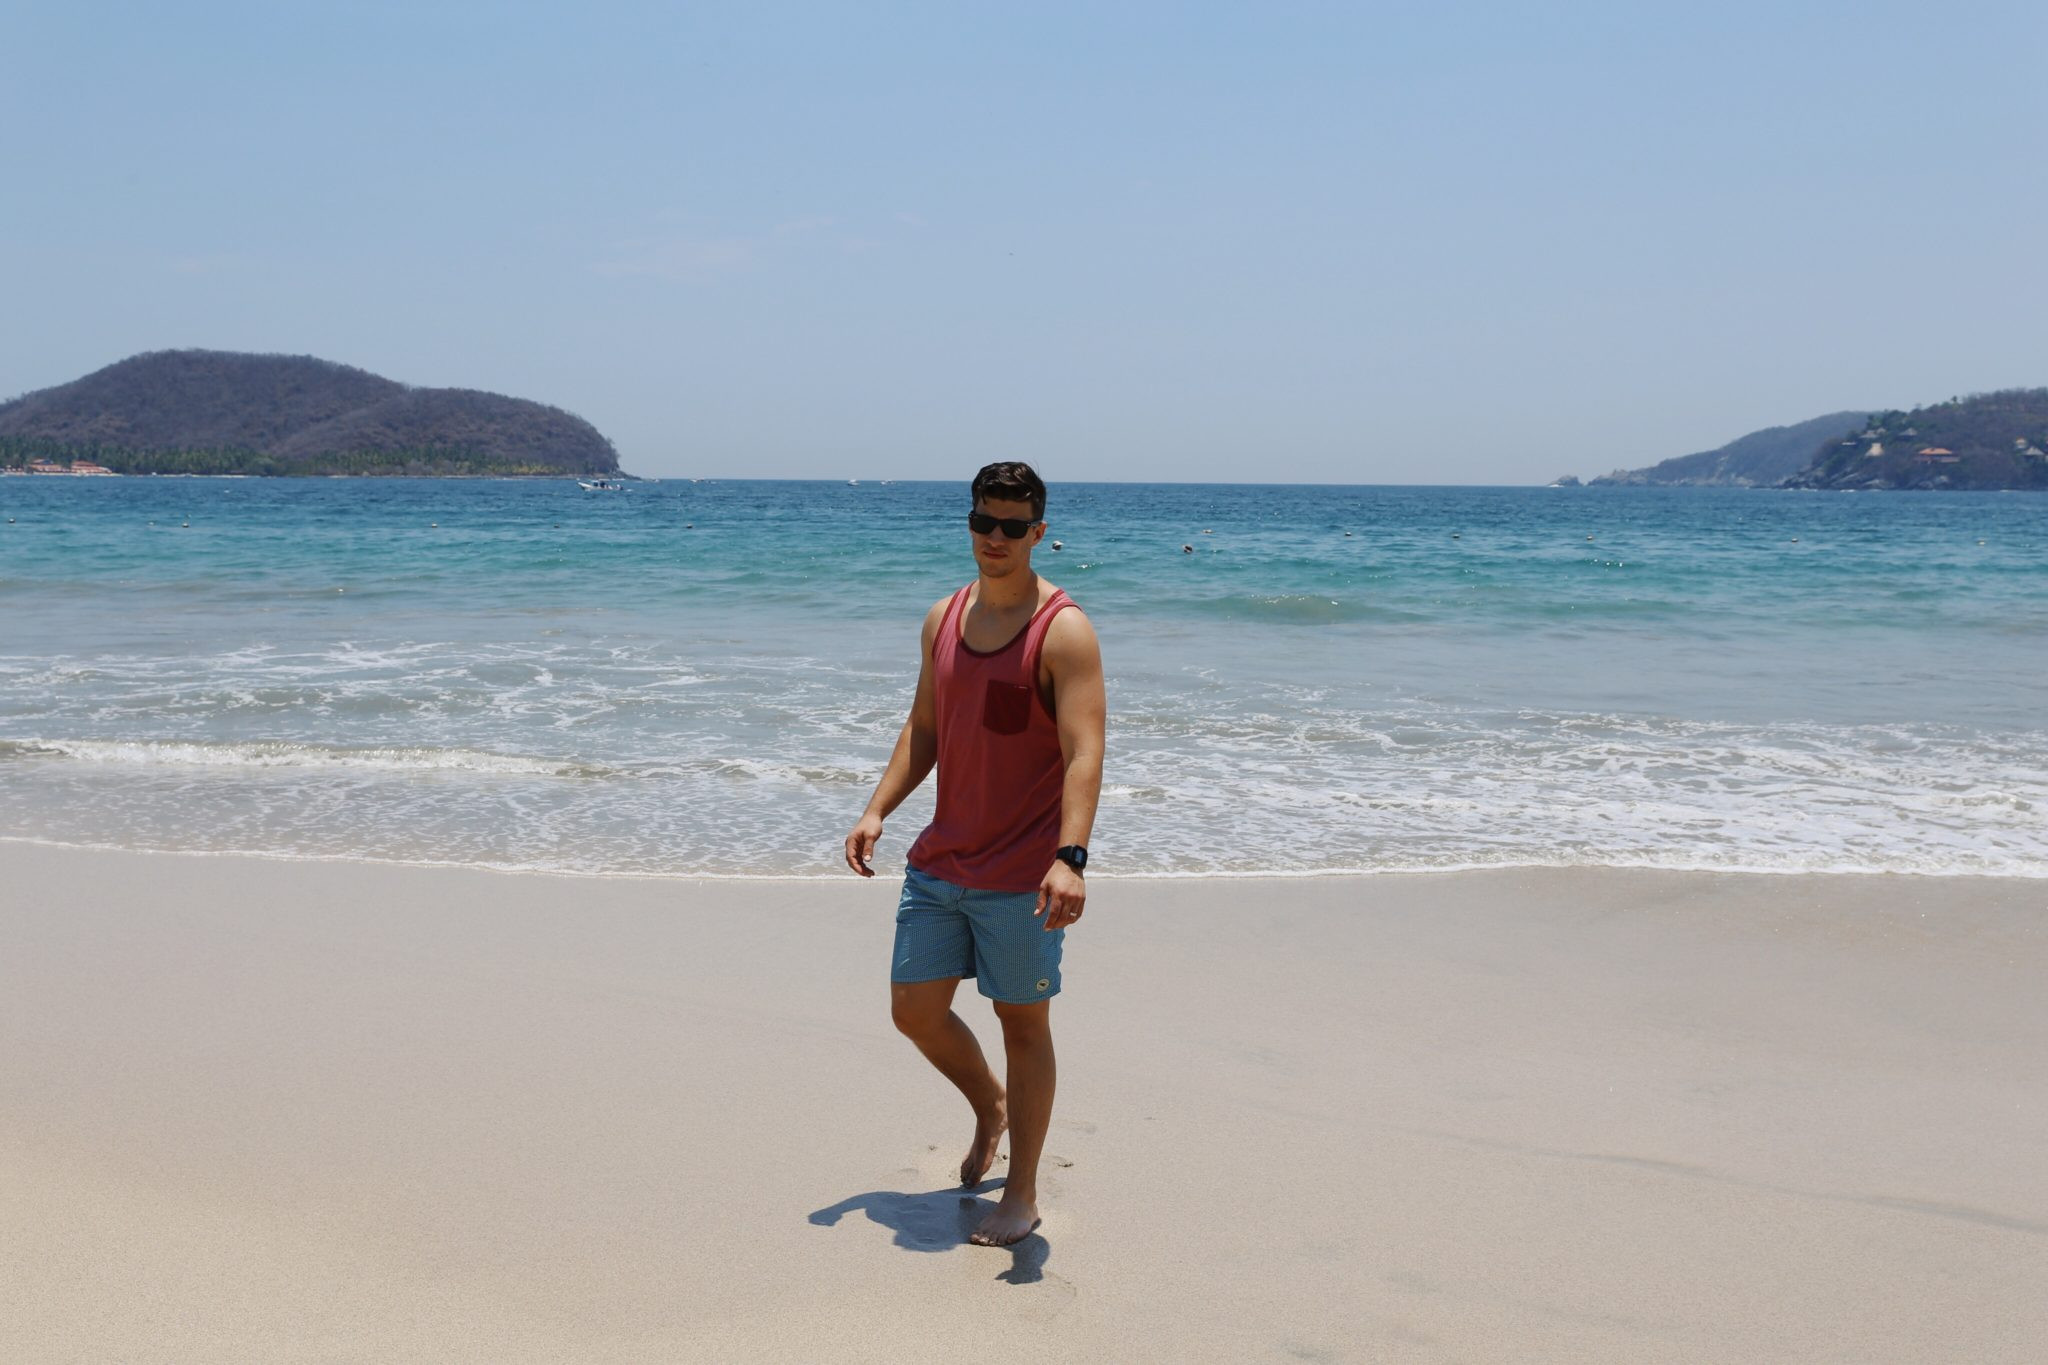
917, 750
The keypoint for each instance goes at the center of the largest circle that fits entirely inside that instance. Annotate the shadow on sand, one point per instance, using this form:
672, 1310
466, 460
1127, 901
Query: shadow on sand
939, 1221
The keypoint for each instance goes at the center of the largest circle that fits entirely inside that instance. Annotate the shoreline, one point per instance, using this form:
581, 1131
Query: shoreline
280, 1110
1099, 876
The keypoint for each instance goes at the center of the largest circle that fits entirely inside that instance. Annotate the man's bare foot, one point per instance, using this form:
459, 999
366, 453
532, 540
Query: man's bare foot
1011, 1221
981, 1154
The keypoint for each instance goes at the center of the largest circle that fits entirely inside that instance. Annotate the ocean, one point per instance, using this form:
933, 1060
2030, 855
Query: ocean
706, 678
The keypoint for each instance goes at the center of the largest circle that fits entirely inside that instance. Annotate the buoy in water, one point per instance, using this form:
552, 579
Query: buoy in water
1059, 546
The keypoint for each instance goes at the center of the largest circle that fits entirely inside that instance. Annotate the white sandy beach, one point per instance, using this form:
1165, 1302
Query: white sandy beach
274, 1111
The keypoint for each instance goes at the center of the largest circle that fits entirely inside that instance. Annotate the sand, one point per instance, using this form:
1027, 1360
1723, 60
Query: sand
270, 1111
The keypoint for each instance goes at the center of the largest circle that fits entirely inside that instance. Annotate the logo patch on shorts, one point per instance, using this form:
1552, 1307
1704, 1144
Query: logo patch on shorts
1043, 982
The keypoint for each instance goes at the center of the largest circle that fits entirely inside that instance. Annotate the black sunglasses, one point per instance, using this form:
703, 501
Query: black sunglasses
1014, 528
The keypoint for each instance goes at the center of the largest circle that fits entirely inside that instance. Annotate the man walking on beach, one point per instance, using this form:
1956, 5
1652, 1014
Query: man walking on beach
1010, 708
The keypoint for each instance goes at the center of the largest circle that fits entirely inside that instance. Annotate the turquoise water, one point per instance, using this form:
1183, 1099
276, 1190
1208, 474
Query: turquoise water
706, 678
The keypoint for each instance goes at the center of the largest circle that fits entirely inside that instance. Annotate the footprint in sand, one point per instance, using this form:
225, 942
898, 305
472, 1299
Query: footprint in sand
1049, 1296
1023, 1289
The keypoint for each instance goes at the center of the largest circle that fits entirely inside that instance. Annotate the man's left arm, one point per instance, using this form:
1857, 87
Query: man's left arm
1074, 659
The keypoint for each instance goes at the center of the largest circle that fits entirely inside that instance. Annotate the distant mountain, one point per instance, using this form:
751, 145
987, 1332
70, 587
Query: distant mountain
219, 412
1986, 441
1761, 459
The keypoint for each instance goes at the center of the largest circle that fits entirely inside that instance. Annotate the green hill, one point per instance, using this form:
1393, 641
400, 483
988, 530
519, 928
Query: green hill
1761, 459
226, 412
1986, 441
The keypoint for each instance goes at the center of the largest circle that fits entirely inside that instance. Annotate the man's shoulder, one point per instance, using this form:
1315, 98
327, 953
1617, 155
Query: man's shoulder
1050, 590
1069, 629
935, 615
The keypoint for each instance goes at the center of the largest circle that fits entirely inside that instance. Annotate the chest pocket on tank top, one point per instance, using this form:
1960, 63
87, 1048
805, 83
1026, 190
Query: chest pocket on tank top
1006, 707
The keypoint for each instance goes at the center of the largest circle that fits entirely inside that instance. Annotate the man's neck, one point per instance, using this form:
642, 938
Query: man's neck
1011, 590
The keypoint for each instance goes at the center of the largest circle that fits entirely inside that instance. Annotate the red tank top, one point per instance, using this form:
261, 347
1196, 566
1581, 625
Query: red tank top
1000, 770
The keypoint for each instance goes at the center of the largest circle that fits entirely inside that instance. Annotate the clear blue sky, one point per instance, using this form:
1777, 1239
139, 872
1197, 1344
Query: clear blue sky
1394, 243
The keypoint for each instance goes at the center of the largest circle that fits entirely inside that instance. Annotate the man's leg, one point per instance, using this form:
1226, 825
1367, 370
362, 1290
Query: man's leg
1027, 1043
923, 1011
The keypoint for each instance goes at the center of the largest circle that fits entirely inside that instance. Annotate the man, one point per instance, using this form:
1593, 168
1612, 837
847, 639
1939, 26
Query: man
1009, 707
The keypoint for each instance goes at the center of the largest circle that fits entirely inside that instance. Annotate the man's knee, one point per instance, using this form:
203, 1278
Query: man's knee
919, 1008
1025, 1023
915, 1021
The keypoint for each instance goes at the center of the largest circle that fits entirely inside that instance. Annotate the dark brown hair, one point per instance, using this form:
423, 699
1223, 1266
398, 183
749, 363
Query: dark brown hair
1012, 481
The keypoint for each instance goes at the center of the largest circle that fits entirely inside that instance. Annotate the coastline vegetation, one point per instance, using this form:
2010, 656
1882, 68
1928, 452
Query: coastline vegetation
419, 461
1996, 440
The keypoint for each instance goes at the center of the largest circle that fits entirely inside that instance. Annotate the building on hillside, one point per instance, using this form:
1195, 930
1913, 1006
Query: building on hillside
75, 467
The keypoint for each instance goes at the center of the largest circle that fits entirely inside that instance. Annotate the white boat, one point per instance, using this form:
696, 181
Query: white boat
600, 485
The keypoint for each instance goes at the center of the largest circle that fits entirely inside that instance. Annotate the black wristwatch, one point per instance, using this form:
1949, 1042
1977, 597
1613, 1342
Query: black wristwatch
1074, 856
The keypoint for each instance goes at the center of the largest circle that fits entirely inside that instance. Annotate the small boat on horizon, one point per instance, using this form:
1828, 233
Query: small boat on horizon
601, 485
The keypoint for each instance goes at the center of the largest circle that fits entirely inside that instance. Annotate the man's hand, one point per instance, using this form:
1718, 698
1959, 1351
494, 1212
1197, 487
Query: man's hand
1060, 896
860, 845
